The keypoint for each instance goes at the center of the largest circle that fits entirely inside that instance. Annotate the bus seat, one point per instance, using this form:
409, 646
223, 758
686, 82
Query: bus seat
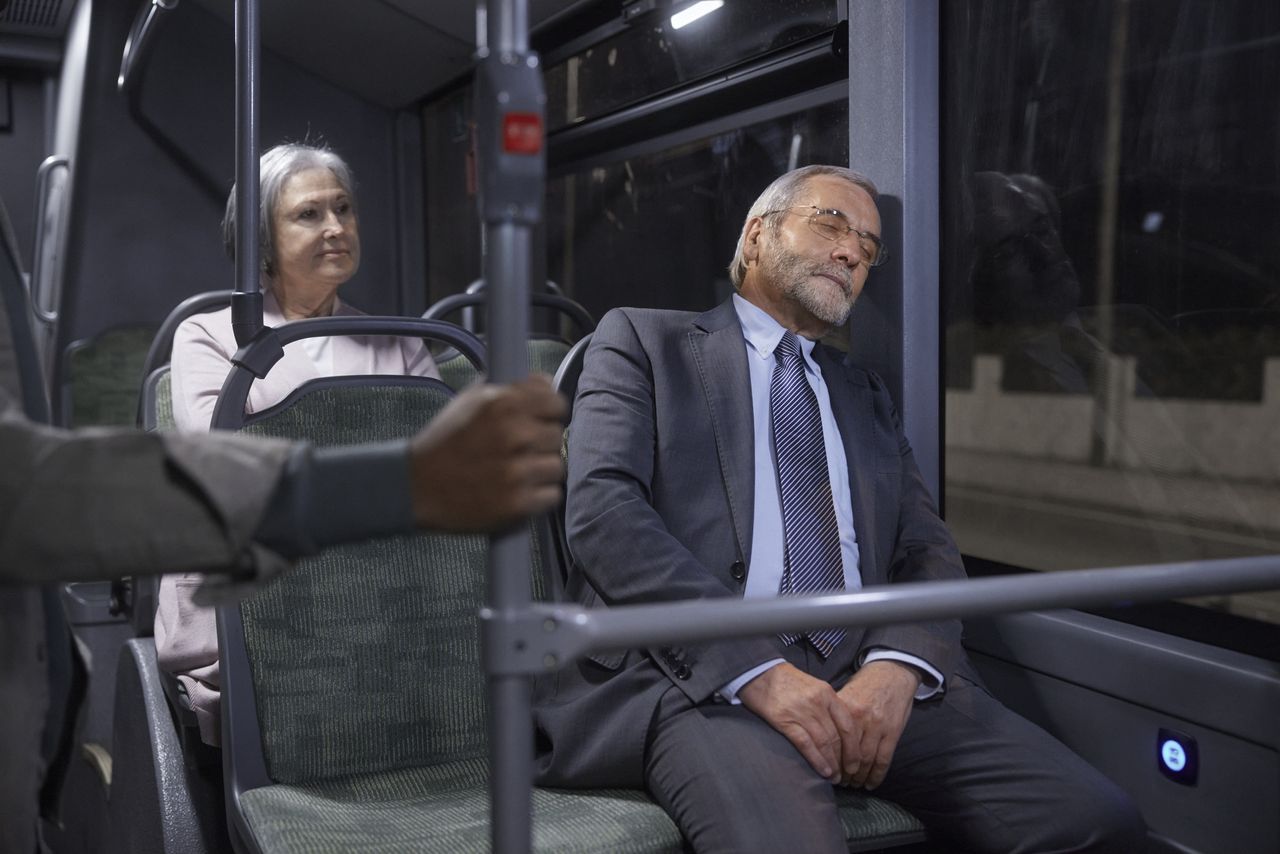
155, 409
166, 794
155, 403
361, 723
546, 349
545, 356
101, 377
870, 824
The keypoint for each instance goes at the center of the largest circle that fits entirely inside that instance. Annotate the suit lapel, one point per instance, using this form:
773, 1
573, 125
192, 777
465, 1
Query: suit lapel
719, 352
853, 406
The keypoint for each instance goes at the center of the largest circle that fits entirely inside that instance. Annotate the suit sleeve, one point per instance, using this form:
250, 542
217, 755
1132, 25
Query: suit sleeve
105, 503
618, 539
923, 550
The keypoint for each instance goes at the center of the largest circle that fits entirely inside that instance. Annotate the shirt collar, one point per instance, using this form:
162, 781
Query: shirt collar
763, 332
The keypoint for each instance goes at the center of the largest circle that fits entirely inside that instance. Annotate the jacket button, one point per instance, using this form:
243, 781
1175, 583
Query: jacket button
683, 672
738, 571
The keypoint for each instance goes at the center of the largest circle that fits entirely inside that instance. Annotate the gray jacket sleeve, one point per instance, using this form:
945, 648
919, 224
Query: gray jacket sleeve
104, 503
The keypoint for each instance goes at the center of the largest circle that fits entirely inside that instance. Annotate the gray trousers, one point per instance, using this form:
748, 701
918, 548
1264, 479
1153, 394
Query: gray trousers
980, 777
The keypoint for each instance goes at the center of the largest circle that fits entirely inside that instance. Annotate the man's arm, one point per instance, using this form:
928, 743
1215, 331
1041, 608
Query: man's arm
923, 550
619, 540
880, 695
100, 504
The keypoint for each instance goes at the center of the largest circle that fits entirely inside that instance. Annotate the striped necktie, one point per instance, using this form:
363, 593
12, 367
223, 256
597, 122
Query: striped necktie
812, 548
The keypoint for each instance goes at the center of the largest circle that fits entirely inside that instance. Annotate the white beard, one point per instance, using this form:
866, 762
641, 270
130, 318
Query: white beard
795, 278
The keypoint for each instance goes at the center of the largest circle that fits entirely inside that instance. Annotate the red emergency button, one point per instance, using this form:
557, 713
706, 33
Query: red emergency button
522, 133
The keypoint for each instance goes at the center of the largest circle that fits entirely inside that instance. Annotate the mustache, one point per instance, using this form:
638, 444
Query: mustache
837, 272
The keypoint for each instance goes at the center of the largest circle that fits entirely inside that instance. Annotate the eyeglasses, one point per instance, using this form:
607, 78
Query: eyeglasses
834, 225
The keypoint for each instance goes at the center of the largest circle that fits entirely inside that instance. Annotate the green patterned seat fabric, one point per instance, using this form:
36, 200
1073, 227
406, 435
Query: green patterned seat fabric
446, 809
545, 355
457, 372
871, 824
164, 402
366, 656
104, 375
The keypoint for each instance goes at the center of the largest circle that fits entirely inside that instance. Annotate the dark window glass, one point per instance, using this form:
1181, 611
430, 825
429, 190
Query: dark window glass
1112, 281
651, 56
658, 230
453, 224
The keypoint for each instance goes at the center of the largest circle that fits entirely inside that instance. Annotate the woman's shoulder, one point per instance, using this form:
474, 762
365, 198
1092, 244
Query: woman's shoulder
206, 326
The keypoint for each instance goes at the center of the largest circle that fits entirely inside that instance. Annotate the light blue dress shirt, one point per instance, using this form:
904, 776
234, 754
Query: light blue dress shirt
764, 577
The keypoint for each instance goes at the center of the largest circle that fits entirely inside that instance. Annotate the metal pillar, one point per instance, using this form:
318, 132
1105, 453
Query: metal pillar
246, 301
509, 103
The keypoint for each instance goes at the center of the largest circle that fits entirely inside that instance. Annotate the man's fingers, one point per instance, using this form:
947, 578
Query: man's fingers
880, 768
850, 738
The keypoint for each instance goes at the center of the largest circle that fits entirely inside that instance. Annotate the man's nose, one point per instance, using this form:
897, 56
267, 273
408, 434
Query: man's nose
848, 251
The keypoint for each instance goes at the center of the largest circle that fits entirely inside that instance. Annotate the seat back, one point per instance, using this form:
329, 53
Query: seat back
101, 377
546, 350
365, 657
565, 381
156, 405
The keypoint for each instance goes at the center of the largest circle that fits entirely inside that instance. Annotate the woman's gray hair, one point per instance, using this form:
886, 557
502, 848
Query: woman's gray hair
275, 168
782, 194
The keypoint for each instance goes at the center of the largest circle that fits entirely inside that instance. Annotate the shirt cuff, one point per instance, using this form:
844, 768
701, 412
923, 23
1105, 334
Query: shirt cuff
930, 678
729, 692
337, 495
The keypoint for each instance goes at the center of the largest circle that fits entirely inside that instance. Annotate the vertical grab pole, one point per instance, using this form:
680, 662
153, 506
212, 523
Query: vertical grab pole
509, 105
246, 300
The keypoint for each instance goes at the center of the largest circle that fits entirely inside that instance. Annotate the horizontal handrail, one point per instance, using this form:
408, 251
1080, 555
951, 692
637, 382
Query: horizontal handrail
548, 636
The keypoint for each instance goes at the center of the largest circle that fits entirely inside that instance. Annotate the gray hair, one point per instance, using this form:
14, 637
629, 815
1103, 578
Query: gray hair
276, 167
782, 194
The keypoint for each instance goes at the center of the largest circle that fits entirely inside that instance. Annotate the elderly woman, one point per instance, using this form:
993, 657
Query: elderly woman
309, 240
310, 246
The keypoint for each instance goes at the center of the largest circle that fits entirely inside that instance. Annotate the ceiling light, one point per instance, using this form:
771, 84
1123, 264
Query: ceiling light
689, 14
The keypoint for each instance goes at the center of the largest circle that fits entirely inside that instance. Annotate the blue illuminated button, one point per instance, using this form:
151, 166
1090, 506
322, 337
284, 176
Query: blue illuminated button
1177, 756
1175, 759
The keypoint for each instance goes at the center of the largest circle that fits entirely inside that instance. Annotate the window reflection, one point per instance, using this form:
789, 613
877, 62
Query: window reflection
651, 56
1113, 282
658, 231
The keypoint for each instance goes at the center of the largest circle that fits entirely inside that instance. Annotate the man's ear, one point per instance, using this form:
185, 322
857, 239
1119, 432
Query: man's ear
752, 233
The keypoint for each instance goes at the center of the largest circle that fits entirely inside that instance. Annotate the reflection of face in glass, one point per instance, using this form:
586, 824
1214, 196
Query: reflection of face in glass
1021, 271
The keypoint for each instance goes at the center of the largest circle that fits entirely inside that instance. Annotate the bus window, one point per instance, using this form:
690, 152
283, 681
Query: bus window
658, 51
1112, 283
658, 230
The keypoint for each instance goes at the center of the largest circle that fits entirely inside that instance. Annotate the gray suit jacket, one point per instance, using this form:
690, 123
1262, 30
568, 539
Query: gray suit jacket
660, 492
103, 504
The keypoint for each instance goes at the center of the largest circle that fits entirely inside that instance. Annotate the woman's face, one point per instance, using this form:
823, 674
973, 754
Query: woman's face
317, 240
